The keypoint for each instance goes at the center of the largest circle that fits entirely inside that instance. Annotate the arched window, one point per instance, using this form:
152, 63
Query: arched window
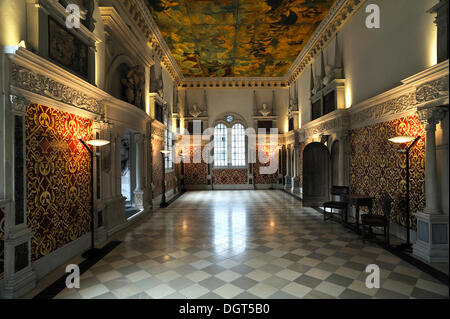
220, 145
238, 145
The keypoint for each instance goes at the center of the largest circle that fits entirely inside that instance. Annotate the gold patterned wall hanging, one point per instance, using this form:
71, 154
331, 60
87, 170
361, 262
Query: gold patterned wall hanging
58, 178
377, 168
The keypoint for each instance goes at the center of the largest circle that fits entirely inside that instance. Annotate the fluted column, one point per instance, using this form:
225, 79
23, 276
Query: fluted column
287, 184
431, 117
295, 186
432, 224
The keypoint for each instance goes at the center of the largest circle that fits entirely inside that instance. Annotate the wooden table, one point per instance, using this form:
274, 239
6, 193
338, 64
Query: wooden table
359, 201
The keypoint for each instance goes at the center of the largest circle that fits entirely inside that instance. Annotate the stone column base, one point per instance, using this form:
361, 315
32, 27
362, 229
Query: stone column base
139, 199
287, 182
295, 185
19, 275
432, 237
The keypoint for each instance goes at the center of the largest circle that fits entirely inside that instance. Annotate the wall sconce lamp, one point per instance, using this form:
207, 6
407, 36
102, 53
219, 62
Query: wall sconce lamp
402, 140
93, 252
164, 153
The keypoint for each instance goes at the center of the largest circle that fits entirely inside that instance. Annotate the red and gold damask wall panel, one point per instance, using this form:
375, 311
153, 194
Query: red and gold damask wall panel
377, 168
170, 181
230, 176
260, 178
2, 243
157, 178
58, 178
195, 173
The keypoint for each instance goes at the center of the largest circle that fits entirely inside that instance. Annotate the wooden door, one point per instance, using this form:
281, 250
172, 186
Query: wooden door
316, 163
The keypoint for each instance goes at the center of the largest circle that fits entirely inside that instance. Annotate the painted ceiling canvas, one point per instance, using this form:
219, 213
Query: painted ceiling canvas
237, 38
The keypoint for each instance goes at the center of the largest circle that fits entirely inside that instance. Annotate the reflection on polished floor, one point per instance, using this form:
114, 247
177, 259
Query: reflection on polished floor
246, 244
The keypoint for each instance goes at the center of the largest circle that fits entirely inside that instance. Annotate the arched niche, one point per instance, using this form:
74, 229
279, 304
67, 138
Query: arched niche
118, 70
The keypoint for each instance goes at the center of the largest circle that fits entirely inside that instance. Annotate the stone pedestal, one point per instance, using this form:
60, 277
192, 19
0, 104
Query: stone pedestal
432, 237
19, 275
287, 182
295, 185
139, 199
432, 224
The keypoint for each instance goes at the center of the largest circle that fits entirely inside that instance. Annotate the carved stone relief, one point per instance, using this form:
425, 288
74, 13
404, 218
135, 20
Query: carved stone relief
432, 90
133, 85
40, 84
391, 107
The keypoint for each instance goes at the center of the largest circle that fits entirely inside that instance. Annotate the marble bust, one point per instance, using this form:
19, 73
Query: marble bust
195, 112
264, 111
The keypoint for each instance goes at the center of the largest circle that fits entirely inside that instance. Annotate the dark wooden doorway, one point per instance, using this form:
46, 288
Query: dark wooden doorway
316, 163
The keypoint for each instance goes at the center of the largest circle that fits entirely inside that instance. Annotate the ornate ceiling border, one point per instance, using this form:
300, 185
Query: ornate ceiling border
141, 16
256, 82
336, 18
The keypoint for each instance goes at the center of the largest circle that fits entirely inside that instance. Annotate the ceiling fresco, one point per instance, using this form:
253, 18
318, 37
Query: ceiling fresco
237, 38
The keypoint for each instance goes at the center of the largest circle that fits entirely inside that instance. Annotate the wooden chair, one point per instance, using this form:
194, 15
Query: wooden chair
339, 204
371, 220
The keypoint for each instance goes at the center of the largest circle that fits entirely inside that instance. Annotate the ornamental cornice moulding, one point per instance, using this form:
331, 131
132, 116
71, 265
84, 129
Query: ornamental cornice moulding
144, 21
19, 103
394, 106
338, 16
255, 82
31, 81
339, 123
432, 90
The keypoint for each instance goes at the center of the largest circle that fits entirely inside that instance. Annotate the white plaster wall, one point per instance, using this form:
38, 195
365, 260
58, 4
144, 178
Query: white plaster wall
376, 60
12, 22
240, 101
100, 55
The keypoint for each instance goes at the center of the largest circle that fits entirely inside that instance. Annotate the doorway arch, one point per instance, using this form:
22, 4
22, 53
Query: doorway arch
316, 163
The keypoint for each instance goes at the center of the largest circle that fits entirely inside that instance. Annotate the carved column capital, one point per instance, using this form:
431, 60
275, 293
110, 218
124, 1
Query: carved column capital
430, 116
18, 103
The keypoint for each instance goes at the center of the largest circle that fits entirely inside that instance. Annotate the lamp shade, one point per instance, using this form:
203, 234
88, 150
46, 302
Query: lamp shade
97, 142
402, 139
165, 152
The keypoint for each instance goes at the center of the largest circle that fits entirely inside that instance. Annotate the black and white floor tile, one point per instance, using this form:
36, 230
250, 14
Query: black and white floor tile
247, 244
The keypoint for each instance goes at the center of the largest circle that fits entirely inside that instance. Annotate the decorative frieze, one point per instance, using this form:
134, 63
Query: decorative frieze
432, 90
233, 83
19, 103
28, 80
340, 13
391, 107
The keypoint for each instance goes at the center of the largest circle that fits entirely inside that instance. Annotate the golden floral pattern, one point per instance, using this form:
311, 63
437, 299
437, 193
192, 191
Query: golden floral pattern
195, 173
230, 176
263, 178
58, 178
377, 168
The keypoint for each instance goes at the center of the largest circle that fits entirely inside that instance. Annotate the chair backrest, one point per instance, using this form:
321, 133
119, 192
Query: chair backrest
341, 191
386, 206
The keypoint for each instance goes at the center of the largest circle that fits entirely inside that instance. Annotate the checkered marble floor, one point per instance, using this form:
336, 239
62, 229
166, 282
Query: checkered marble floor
246, 244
